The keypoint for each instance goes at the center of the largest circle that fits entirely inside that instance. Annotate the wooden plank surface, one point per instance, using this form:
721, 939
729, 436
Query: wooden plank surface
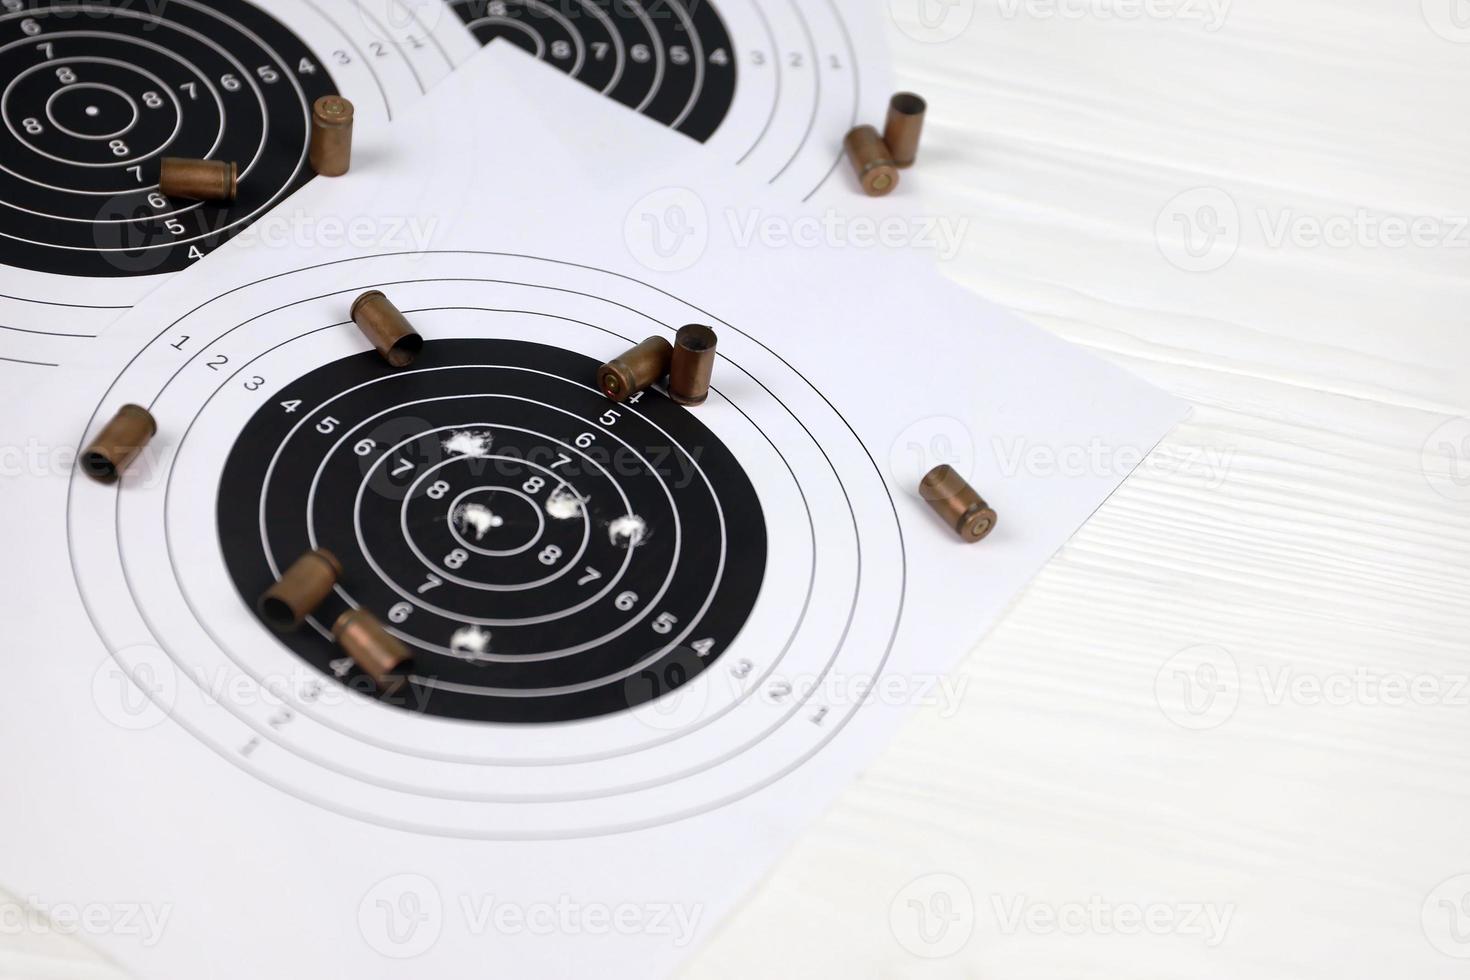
1088, 810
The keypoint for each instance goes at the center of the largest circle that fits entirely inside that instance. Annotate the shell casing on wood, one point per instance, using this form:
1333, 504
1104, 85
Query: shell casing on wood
387, 328
297, 593
198, 180
871, 160
119, 443
635, 369
377, 653
692, 364
957, 503
330, 152
904, 124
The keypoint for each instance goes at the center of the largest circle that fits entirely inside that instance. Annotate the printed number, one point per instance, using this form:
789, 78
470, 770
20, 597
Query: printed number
679, 54
118, 148
65, 75
438, 489
192, 88
584, 440
403, 467
779, 690
267, 74
432, 582
179, 344
456, 558
640, 53
757, 57
217, 362
592, 576
704, 646
399, 612
327, 425
306, 67
341, 57
379, 49
341, 667
719, 57
157, 200
600, 50
533, 484
229, 82
29, 27
292, 405
796, 60
174, 226
32, 125
254, 383
665, 623
561, 49
364, 447
609, 417
742, 669
821, 713
549, 554
152, 100
626, 600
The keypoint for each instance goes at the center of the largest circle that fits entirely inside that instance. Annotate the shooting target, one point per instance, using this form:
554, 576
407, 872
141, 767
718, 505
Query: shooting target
535, 545
98, 92
773, 86
620, 615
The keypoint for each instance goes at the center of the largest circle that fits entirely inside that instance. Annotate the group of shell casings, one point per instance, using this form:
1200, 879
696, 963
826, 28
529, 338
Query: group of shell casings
284, 606
689, 362
311, 577
330, 153
877, 159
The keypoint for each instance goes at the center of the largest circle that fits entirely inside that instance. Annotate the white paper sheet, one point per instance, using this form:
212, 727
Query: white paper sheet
180, 761
101, 93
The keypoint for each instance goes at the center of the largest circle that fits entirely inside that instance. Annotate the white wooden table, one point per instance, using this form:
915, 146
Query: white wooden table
1225, 732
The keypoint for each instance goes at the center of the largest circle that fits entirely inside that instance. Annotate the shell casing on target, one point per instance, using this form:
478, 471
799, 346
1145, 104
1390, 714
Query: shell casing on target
387, 328
692, 363
635, 369
957, 503
871, 160
905, 123
296, 594
199, 180
331, 136
119, 443
377, 653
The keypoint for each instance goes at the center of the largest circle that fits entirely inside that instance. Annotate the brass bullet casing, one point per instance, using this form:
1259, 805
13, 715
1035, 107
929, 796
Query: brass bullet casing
198, 180
389, 330
331, 136
635, 369
692, 364
377, 653
905, 123
957, 503
871, 160
286, 604
119, 443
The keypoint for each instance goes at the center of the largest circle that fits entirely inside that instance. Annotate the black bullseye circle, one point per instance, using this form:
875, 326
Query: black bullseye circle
541, 550
96, 93
672, 61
